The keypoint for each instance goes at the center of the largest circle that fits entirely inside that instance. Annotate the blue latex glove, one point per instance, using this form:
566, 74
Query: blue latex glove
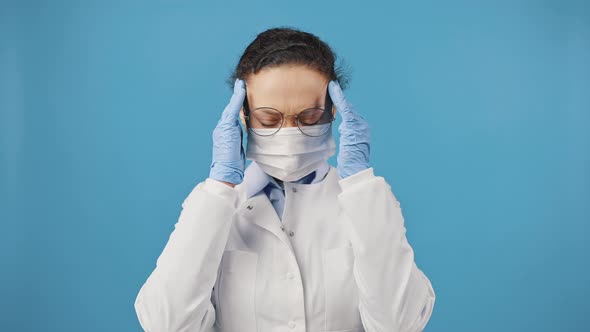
229, 159
353, 155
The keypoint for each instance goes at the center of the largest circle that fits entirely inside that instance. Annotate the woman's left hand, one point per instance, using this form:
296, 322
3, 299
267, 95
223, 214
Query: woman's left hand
353, 155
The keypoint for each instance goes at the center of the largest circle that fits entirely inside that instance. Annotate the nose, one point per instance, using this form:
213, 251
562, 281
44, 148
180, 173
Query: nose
290, 121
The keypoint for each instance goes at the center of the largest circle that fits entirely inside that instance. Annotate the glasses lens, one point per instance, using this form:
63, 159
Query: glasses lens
314, 121
265, 121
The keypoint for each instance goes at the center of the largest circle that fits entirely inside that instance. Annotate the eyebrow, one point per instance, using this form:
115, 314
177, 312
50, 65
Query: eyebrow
326, 101
316, 105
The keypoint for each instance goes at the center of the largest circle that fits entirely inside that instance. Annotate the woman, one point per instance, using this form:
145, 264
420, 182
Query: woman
291, 243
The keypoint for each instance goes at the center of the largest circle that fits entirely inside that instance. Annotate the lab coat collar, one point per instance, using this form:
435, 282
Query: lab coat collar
258, 209
255, 179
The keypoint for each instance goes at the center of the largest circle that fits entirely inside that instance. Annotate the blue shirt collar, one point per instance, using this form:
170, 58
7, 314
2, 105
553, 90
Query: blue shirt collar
255, 179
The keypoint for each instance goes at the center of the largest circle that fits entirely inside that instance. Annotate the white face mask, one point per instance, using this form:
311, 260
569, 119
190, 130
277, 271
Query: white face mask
289, 154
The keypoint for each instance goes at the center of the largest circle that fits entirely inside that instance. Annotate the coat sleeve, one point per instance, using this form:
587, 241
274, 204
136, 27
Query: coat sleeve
394, 294
177, 294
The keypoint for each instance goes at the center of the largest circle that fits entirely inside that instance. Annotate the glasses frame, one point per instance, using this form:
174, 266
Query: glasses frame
328, 105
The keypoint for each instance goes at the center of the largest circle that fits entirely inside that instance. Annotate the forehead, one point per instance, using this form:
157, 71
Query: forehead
290, 89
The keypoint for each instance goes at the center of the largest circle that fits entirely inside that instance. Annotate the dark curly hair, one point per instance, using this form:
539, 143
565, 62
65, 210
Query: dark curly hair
287, 45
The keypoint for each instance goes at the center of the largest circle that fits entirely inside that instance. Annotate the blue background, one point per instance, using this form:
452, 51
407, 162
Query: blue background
480, 118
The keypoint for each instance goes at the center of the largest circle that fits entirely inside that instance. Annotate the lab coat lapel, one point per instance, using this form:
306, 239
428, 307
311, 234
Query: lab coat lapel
260, 211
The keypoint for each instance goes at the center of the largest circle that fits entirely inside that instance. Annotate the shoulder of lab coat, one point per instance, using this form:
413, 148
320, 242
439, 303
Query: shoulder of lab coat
357, 179
219, 189
177, 296
394, 294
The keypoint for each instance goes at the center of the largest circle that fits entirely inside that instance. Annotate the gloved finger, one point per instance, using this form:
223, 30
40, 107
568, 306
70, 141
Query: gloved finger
232, 110
342, 105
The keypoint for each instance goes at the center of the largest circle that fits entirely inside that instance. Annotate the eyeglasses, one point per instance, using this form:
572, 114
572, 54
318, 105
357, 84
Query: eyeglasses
261, 119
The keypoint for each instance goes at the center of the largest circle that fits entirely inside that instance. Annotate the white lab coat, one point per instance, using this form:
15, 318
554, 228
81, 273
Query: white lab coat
339, 261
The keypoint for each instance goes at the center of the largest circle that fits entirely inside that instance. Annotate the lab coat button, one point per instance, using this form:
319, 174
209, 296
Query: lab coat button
290, 275
291, 233
282, 227
292, 324
249, 207
294, 189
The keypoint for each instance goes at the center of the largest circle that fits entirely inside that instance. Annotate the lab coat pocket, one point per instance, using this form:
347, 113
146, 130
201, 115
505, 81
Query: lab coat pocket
235, 288
340, 290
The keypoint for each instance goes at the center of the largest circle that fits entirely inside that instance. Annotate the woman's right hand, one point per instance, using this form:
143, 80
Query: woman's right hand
229, 159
